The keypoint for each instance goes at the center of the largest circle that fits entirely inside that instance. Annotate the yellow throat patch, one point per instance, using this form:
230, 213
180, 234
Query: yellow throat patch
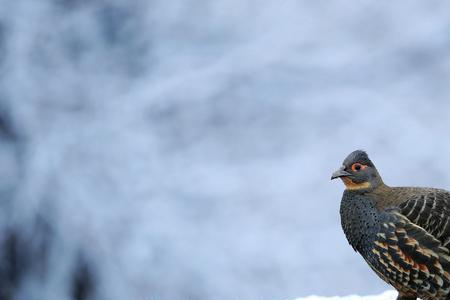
350, 185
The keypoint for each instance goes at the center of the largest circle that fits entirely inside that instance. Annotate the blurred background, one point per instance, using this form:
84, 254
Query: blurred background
154, 150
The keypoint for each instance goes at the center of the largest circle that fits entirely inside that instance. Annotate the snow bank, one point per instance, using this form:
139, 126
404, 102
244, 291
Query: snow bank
388, 295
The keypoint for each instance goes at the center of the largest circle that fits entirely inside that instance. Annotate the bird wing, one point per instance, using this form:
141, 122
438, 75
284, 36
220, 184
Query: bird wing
429, 209
409, 258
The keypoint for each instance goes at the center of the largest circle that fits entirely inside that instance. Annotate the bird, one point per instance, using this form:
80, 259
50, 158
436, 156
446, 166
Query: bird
403, 233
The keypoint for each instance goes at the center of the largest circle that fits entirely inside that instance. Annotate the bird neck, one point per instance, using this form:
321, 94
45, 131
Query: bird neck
375, 183
353, 186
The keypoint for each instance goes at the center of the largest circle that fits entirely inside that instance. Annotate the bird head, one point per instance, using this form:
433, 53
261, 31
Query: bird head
358, 172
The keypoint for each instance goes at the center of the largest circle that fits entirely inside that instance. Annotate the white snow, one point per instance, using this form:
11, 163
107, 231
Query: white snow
388, 295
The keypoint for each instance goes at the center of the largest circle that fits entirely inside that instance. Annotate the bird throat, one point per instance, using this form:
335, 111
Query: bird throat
350, 185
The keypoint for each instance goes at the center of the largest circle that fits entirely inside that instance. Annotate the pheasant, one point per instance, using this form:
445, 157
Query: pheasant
403, 233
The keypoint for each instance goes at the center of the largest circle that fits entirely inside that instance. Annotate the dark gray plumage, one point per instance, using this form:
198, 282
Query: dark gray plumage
403, 233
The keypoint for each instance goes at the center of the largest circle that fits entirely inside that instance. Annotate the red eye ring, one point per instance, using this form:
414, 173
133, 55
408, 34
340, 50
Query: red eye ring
358, 167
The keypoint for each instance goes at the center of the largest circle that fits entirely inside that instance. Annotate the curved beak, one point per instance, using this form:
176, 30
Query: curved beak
340, 173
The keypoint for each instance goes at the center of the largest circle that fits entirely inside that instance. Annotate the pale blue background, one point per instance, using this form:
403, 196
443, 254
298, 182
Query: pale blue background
186, 147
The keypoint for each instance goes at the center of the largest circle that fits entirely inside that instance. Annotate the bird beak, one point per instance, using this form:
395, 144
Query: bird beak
340, 173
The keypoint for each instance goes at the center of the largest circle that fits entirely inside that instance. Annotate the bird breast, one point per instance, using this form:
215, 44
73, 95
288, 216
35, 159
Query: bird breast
359, 220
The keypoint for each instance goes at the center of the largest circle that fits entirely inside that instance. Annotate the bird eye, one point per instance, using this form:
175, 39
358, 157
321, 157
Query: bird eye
357, 167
